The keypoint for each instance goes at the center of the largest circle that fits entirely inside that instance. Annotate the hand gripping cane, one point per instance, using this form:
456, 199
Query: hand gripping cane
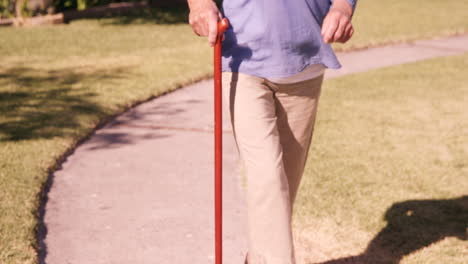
222, 27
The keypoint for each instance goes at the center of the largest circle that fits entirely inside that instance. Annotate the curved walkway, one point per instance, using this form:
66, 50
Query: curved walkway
140, 189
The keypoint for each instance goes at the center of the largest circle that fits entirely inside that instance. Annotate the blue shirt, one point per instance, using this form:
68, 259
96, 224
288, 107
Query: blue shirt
276, 38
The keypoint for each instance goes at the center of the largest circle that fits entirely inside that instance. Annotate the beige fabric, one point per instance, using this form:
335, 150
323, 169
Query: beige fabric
273, 125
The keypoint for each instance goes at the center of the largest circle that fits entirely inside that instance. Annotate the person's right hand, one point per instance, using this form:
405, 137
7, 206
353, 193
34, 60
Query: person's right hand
204, 16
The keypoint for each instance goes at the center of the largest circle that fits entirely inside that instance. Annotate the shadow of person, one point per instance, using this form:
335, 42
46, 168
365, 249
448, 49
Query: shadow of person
412, 225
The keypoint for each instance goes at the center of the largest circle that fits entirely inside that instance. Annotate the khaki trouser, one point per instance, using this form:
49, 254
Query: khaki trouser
272, 125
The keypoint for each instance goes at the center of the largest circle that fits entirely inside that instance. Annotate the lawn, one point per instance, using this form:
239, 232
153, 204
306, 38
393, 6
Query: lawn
378, 22
57, 83
386, 179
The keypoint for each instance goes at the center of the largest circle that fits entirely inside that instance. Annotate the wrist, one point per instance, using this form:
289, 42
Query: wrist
195, 2
342, 11
342, 6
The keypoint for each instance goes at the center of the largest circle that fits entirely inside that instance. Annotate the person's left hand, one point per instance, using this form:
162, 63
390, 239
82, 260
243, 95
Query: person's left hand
337, 25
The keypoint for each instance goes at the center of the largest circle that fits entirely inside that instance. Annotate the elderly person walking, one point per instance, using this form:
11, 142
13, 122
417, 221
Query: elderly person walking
275, 53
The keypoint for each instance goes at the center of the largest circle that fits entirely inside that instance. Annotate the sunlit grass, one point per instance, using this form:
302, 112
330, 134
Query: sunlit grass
388, 166
58, 82
378, 22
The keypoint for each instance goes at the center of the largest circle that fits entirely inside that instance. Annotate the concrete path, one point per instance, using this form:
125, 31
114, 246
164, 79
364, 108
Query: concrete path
140, 190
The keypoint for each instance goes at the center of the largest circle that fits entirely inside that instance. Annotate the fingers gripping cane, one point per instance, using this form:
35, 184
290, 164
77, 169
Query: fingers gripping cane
222, 27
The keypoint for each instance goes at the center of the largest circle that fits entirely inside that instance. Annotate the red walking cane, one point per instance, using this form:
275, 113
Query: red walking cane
222, 27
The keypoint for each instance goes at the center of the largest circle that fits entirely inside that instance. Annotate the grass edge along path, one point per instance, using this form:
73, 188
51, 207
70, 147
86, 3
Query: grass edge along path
44, 188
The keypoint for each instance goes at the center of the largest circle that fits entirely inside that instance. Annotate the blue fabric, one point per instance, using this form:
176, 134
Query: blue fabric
276, 38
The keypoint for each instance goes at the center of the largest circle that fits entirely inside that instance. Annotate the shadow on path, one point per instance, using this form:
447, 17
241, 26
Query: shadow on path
413, 225
48, 103
156, 121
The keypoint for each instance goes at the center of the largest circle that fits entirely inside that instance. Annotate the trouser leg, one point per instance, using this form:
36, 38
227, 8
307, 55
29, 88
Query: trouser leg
296, 106
265, 122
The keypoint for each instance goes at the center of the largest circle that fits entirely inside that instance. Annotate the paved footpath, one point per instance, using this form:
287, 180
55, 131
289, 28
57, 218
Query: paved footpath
140, 190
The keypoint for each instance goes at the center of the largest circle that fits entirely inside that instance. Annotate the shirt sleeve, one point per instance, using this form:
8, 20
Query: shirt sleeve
352, 2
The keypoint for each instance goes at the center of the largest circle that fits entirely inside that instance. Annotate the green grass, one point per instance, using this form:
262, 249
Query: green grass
378, 22
58, 82
386, 177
